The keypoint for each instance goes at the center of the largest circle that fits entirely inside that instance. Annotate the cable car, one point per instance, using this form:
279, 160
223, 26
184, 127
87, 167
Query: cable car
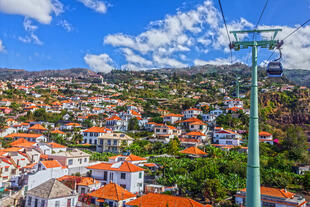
275, 69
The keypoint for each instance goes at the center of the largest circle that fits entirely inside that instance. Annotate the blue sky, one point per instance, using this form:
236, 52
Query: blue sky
140, 34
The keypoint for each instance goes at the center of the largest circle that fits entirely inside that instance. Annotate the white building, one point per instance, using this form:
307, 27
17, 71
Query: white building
75, 160
192, 112
115, 123
172, 118
91, 135
274, 197
125, 174
216, 112
265, 137
112, 142
227, 137
165, 133
113, 195
52, 193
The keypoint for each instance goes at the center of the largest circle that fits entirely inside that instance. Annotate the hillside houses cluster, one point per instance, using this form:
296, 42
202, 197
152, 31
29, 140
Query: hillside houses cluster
53, 174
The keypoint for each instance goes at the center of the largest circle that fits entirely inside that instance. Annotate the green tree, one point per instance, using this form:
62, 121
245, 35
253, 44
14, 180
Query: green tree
133, 124
174, 146
295, 142
214, 190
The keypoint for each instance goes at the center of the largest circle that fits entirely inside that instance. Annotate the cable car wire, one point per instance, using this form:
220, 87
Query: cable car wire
223, 16
260, 17
287, 36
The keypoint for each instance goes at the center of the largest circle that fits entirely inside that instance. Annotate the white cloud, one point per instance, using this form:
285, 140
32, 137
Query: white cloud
41, 10
217, 61
66, 25
295, 49
136, 59
31, 37
101, 63
98, 6
2, 48
168, 62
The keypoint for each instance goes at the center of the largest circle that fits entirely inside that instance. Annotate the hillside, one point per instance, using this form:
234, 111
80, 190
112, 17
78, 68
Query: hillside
9, 74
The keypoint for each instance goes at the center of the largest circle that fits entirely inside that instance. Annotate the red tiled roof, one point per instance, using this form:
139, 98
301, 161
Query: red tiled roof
195, 134
114, 118
57, 132
274, 192
23, 135
56, 145
98, 129
51, 163
112, 191
193, 151
38, 127
262, 133
124, 167
162, 200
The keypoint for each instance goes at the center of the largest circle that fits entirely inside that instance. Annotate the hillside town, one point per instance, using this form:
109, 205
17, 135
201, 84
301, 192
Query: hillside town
68, 142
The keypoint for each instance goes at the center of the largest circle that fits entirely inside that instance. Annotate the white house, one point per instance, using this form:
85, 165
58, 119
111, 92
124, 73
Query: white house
115, 123
130, 158
172, 118
125, 174
75, 160
112, 142
226, 137
29, 137
52, 193
208, 117
164, 133
265, 137
274, 197
91, 135
192, 112
216, 112
113, 195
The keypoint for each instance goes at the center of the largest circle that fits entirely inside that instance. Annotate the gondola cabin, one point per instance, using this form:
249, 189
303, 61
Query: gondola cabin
274, 69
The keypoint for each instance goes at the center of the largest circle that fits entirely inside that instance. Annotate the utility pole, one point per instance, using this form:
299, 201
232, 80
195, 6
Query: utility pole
253, 195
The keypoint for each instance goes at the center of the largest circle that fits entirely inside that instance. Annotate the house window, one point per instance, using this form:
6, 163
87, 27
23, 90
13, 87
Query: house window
82, 190
36, 202
123, 186
105, 175
101, 141
95, 142
123, 175
69, 203
42, 203
90, 141
70, 162
91, 134
73, 201
85, 159
80, 160
57, 203
109, 142
115, 142
165, 130
6, 169
96, 134
140, 174
85, 134
111, 176
29, 200
157, 130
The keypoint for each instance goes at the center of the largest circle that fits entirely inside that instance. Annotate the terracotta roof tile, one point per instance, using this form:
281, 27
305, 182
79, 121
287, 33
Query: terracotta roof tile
38, 127
162, 200
51, 163
193, 151
112, 191
124, 167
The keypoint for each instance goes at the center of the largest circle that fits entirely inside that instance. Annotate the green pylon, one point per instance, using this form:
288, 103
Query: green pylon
253, 195
237, 88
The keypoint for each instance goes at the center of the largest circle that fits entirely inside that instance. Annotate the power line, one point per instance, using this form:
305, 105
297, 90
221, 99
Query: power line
223, 16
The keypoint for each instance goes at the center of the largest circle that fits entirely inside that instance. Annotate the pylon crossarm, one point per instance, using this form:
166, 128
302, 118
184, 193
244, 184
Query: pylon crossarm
270, 44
